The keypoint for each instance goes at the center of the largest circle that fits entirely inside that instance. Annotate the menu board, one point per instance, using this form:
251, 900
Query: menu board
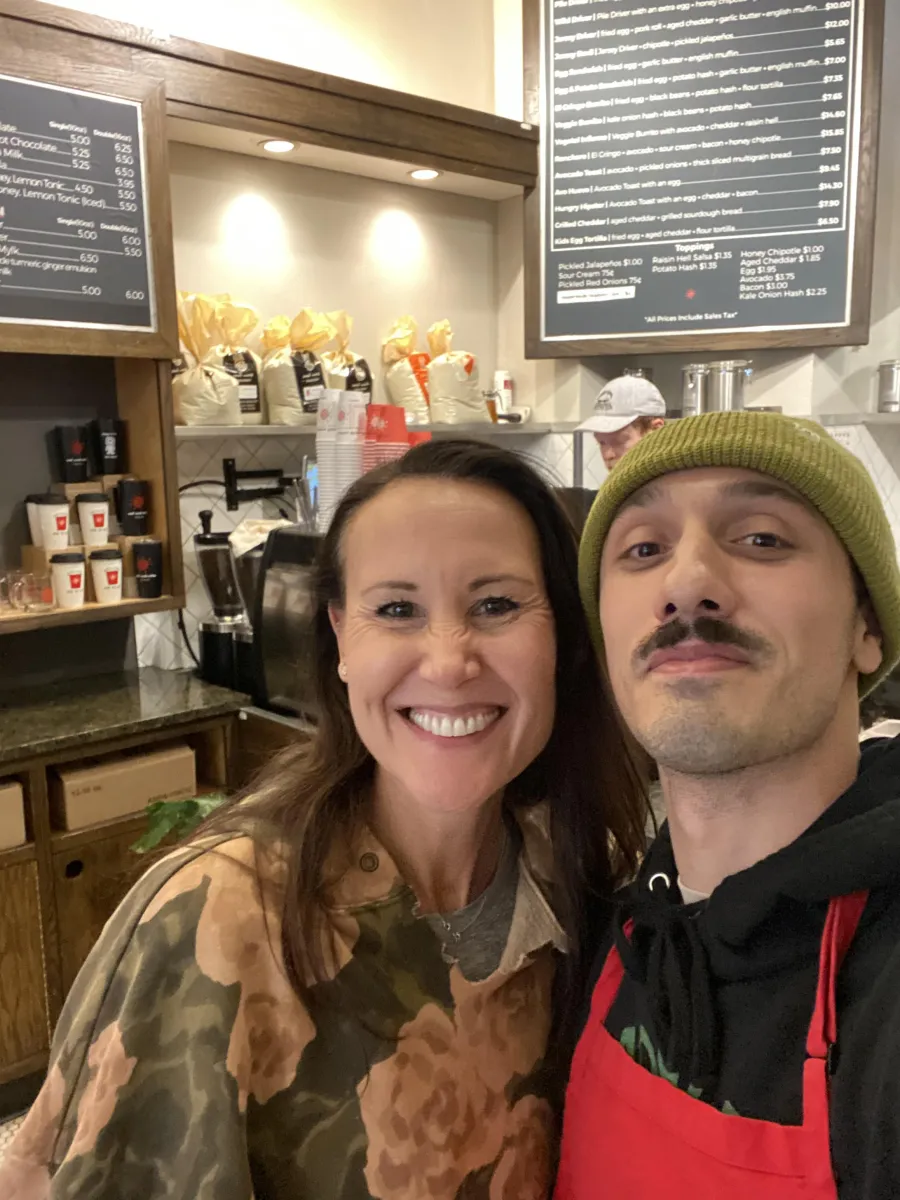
74, 243
699, 170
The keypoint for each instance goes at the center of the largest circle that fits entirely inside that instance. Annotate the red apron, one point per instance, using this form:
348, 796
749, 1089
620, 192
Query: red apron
629, 1134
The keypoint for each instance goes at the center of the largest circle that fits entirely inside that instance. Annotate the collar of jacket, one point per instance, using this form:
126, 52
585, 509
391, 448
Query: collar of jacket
367, 876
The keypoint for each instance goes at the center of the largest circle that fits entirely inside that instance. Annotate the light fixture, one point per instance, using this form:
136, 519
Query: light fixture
425, 174
277, 146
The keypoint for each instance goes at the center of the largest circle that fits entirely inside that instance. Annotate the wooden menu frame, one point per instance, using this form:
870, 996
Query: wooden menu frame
854, 334
27, 62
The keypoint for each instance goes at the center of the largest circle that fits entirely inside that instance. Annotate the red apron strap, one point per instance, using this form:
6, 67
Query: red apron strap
607, 986
844, 913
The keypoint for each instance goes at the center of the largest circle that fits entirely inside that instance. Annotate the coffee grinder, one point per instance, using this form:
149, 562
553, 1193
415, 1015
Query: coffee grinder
218, 632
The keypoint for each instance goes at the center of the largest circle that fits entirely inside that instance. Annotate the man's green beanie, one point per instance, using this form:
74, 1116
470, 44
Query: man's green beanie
799, 453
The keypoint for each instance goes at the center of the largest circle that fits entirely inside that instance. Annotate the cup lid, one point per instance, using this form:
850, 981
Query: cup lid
92, 498
58, 501
106, 554
35, 498
67, 556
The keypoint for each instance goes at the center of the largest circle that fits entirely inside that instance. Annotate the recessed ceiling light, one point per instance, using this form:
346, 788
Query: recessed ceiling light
424, 174
277, 146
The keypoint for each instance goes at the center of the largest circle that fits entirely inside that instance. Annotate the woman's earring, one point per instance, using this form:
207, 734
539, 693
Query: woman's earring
342, 671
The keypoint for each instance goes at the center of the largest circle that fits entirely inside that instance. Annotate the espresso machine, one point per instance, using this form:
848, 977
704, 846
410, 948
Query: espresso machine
220, 632
283, 618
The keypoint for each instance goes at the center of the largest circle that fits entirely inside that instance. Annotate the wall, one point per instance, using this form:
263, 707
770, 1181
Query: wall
425, 47
283, 237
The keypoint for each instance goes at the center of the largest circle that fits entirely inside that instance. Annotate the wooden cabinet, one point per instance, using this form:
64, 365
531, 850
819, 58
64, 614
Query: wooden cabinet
23, 1007
258, 737
58, 891
91, 874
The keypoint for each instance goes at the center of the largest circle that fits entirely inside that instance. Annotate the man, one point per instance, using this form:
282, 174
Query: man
744, 1035
626, 410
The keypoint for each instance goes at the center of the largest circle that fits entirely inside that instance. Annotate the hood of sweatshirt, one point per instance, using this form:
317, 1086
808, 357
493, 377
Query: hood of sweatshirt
758, 920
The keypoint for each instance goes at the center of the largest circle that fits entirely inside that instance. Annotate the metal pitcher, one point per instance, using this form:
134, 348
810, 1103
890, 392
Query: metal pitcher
726, 384
889, 386
694, 389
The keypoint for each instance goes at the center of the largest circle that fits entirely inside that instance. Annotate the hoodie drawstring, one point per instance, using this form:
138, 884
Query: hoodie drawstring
663, 953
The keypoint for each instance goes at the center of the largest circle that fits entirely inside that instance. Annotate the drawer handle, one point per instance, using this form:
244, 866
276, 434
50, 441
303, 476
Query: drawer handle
74, 868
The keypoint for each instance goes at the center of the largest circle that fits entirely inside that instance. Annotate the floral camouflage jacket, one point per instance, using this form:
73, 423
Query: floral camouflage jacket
185, 1068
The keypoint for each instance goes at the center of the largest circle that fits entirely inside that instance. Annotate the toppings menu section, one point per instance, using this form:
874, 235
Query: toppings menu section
74, 245
699, 166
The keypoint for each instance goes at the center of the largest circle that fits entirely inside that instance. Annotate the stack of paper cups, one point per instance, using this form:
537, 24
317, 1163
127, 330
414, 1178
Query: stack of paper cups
350, 439
387, 438
340, 436
326, 447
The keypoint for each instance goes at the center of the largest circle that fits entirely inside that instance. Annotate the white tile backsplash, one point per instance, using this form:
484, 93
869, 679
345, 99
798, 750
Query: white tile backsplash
860, 440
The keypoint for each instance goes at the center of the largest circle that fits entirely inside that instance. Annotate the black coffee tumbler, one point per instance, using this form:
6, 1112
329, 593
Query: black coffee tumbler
148, 568
108, 444
71, 449
134, 507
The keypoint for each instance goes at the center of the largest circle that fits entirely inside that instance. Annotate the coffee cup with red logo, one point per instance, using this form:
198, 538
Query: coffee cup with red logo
106, 574
67, 572
93, 517
134, 507
53, 515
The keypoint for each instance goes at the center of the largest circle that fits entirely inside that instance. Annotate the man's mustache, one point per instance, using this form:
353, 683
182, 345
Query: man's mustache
701, 629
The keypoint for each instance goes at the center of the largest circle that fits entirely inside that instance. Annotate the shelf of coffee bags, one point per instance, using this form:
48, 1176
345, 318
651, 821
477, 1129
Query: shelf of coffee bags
190, 433
21, 622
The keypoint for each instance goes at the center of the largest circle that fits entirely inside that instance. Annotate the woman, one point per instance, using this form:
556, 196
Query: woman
343, 988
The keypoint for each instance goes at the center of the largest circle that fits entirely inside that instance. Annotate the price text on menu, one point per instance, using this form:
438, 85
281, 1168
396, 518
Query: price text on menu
74, 248
699, 170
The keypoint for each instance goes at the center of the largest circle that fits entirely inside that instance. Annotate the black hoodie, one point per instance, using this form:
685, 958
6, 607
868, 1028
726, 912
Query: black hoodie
718, 996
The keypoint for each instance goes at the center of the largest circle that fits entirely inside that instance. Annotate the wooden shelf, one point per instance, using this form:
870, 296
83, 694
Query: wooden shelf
194, 433
22, 622
18, 854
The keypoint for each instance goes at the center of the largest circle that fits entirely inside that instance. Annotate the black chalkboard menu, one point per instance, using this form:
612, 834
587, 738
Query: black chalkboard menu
700, 168
74, 241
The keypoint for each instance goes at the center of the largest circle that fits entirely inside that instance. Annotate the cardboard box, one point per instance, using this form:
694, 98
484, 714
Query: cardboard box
36, 560
117, 787
12, 815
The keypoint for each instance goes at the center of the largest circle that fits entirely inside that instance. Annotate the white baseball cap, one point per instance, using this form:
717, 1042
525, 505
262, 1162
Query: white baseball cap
622, 401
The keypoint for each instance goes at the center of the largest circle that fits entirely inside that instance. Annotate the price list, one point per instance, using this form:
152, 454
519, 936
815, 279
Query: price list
699, 166
74, 244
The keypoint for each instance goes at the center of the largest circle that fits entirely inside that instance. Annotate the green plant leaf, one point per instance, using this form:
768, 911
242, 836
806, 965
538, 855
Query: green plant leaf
178, 817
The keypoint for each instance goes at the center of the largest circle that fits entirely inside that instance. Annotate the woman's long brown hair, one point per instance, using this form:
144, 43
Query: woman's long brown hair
315, 792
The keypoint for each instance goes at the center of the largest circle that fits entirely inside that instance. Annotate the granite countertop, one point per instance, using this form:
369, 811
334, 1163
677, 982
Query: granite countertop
47, 720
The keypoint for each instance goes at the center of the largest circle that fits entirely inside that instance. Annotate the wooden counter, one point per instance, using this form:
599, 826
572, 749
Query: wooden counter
58, 890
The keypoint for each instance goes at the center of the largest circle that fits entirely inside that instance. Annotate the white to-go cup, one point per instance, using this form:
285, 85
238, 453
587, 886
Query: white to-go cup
67, 572
93, 517
53, 514
34, 520
106, 573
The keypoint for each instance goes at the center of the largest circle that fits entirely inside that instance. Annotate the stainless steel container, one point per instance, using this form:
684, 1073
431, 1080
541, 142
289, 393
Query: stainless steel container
889, 386
694, 389
727, 380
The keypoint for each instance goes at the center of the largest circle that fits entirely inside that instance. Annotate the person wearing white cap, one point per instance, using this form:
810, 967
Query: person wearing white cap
626, 410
